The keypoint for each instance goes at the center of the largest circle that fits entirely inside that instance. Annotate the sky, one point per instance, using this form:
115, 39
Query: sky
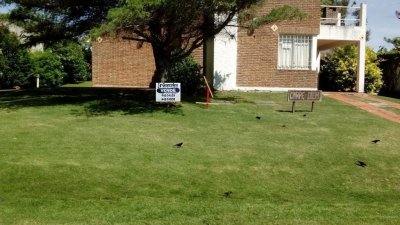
382, 21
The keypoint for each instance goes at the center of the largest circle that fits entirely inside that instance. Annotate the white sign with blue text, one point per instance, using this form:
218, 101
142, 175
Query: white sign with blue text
168, 92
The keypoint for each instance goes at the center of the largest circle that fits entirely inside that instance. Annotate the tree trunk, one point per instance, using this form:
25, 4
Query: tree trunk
163, 63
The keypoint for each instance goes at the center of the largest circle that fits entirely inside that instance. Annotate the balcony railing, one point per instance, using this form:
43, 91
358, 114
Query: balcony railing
341, 15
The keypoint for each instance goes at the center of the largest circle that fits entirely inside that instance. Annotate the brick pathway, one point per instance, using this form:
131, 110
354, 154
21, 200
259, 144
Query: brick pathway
346, 98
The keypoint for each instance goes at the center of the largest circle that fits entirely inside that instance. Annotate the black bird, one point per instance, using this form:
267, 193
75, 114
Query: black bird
179, 145
304, 115
258, 117
228, 194
283, 125
361, 163
376, 141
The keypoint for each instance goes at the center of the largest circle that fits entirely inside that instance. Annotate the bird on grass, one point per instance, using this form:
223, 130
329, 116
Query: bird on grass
283, 125
179, 145
228, 194
304, 115
258, 117
376, 141
361, 163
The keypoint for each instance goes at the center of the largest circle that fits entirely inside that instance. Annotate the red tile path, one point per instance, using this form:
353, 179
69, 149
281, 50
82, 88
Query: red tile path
346, 98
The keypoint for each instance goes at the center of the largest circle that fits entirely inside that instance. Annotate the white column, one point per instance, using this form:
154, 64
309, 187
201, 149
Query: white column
361, 50
363, 15
318, 61
314, 54
339, 19
361, 66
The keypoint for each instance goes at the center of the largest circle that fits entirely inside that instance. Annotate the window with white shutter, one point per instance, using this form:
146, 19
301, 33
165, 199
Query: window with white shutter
294, 52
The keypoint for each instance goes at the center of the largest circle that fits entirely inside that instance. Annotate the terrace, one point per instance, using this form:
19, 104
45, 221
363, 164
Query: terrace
338, 28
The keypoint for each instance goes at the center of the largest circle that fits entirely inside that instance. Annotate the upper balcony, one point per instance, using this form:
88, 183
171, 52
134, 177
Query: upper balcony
339, 29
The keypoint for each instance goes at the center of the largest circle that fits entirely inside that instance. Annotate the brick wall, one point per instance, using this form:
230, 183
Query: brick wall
198, 55
258, 53
122, 63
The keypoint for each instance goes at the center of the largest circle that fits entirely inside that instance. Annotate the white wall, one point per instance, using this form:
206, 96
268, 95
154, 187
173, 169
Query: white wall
225, 58
341, 33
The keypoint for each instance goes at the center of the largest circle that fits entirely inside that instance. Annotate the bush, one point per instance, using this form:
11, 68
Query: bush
188, 73
14, 61
48, 67
339, 70
72, 57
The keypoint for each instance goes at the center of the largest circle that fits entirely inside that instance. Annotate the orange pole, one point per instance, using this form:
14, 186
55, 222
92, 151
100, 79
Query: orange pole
208, 87
207, 97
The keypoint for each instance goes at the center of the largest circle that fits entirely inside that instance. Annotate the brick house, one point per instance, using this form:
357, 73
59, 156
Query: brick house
280, 56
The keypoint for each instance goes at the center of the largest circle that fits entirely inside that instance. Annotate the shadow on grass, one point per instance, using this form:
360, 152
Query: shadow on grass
290, 111
95, 101
232, 99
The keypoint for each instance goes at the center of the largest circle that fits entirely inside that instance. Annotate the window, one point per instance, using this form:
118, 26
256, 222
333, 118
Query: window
294, 52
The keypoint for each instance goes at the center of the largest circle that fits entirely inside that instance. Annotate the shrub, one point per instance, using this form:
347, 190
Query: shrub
373, 74
72, 57
188, 73
48, 67
339, 70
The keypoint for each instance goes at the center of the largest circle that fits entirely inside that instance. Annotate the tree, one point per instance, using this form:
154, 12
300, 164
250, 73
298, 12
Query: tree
48, 21
335, 2
395, 42
390, 65
175, 28
72, 57
14, 61
339, 70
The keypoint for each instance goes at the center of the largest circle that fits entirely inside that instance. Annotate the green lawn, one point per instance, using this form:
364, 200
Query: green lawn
396, 100
92, 156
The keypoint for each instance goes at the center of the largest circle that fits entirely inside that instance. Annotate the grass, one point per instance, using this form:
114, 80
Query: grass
395, 100
95, 156
392, 109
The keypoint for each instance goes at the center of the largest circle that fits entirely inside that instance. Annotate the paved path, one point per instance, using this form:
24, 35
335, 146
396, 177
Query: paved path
347, 98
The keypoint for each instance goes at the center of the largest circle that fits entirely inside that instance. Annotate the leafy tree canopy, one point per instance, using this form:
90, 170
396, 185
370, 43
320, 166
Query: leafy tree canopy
395, 42
335, 2
48, 21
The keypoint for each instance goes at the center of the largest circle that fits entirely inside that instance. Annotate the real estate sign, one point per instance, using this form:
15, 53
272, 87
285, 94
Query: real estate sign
168, 92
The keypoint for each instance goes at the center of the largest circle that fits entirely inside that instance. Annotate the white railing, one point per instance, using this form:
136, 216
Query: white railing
341, 15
